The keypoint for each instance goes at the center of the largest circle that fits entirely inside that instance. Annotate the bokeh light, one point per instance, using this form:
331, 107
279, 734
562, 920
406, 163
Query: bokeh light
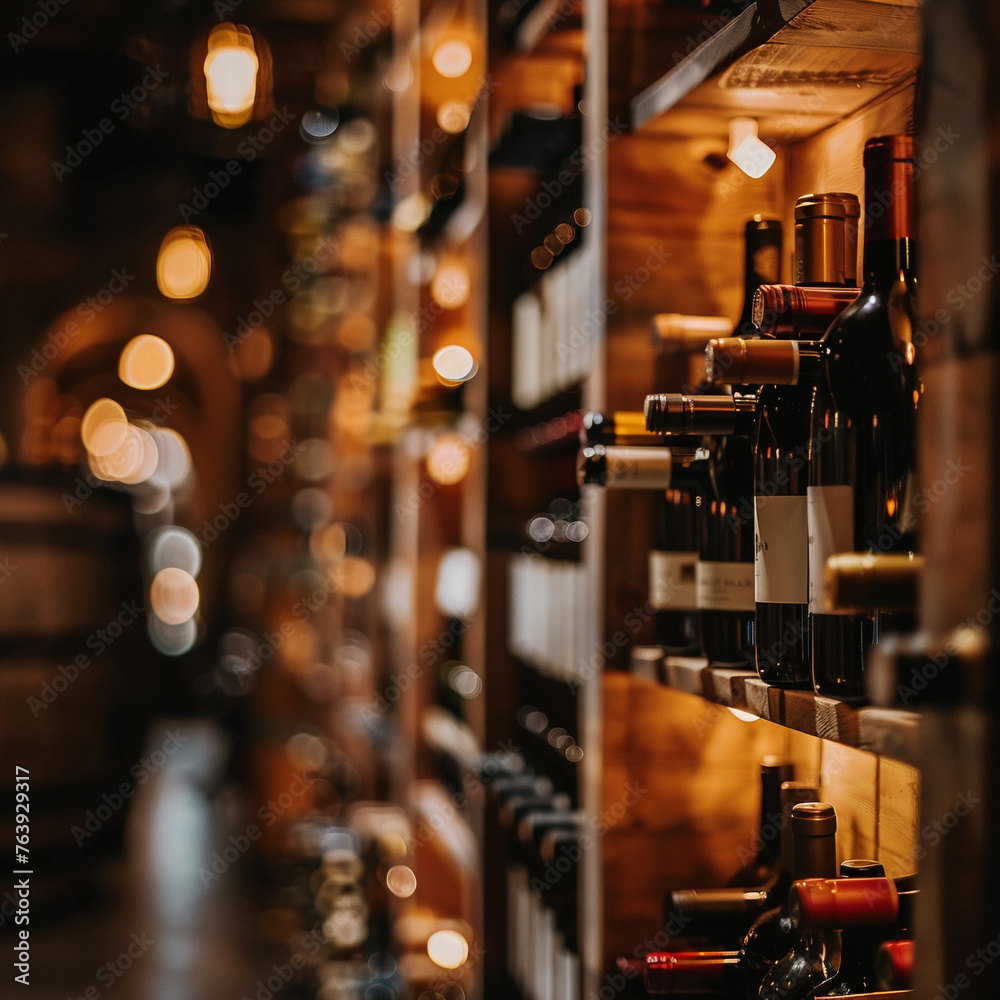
146, 362
448, 949
174, 596
184, 263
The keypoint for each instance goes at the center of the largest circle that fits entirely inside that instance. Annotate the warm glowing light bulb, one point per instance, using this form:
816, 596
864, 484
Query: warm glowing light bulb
104, 427
146, 362
449, 949
454, 364
450, 286
401, 881
184, 263
231, 74
448, 460
452, 58
173, 595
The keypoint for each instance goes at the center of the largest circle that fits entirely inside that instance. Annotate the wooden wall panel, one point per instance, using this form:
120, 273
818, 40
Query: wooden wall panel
898, 817
848, 781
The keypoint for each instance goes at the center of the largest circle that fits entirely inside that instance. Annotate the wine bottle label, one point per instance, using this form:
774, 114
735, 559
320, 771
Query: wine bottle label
672, 581
830, 512
639, 468
725, 586
781, 550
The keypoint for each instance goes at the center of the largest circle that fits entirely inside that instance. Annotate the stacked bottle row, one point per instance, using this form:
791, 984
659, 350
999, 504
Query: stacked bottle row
785, 531
552, 329
547, 598
791, 924
533, 795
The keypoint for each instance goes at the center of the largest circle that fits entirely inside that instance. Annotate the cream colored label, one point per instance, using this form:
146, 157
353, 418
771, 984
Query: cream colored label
830, 512
638, 468
725, 586
672, 581
781, 550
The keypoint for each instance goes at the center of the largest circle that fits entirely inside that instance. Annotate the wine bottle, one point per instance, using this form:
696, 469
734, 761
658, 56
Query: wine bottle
724, 577
721, 916
819, 909
675, 333
774, 772
622, 427
799, 312
694, 973
894, 965
761, 266
814, 855
862, 424
860, 944
678, 475
638, 468
861, 582
781, 537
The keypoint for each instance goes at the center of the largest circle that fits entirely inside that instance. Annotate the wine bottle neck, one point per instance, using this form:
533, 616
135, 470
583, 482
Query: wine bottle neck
761, 266
886, 260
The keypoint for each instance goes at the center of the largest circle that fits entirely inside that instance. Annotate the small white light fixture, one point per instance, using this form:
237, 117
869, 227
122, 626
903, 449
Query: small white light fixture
746, 150
744, 716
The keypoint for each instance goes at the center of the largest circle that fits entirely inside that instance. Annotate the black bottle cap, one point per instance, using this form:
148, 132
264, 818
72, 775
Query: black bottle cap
862, 868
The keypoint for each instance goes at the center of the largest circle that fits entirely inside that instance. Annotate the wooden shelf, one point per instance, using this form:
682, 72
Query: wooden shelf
796, 66
885, 732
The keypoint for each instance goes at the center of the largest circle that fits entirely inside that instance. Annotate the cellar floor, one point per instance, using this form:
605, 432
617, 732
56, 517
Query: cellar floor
162, 934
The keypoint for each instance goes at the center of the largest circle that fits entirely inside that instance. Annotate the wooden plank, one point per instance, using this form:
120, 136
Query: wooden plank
890, 732
739, 36
833, 50
685, 673
646, 662
729, 686
763, 700
848, 780
898, 817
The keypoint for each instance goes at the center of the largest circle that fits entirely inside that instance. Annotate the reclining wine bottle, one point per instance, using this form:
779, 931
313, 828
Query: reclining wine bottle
720, 917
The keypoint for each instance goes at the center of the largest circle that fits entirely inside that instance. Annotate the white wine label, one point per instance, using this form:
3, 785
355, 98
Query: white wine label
831, 530
639, 468
781, 550
725, 586
672, 581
